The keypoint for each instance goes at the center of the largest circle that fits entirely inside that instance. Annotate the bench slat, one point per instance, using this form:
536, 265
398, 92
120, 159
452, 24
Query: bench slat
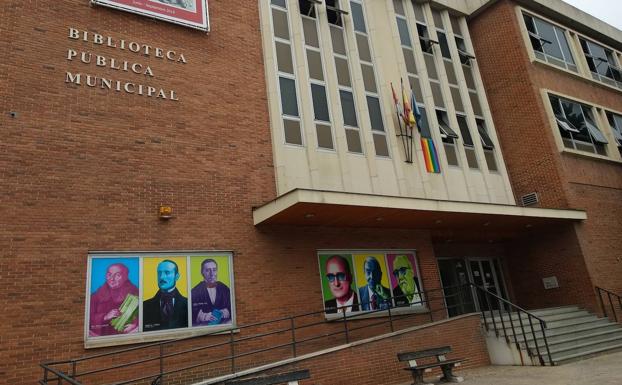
436, 364
424, 353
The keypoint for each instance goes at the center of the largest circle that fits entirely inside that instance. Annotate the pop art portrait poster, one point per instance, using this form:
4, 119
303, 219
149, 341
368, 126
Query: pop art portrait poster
192, 13
373, 281
404, 279
114, 303
211, 298
165, 293
338, 283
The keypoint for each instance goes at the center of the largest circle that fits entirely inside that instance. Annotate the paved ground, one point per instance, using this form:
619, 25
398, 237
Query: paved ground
601, 370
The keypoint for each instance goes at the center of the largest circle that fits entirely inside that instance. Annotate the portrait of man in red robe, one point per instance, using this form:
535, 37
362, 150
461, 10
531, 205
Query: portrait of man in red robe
110, 300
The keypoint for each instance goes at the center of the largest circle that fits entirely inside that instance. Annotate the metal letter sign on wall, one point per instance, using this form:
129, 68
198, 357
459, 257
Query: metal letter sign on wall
189, 13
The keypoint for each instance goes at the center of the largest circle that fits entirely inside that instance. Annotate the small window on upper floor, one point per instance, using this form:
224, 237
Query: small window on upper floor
447, 133
465, 56
602, 63
549, 42
577, 126
442, 40
424, 38
307, 7
334, 13
615, 121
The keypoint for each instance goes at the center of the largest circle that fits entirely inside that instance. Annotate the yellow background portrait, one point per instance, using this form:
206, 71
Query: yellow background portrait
359, 262
223, 269
150, 276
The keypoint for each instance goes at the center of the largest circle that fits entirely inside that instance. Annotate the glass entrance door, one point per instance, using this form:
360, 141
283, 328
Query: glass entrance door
485, 272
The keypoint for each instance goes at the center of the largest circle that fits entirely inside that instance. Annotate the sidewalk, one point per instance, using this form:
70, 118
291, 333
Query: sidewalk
601, 370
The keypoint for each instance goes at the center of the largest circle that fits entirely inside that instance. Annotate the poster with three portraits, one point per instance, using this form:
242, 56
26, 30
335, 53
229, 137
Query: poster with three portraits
369, 280
151, 294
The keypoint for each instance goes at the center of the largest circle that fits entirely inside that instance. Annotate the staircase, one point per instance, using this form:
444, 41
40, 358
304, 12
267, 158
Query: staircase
572, 334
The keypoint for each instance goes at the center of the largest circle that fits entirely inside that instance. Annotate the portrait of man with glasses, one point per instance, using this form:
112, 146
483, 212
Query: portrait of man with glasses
339, 278
406, 284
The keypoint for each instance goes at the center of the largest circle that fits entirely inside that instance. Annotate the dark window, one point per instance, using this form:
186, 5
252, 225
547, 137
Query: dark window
483, 134
549, 42
442, 40
288, 96
601, 60
320, 105
424, 127
464, 130
375, 113
424, 38
577, 126
333, 12
307, 7
447, 133
348, 109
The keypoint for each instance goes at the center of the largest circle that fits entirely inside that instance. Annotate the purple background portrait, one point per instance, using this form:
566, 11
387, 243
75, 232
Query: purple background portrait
391, 258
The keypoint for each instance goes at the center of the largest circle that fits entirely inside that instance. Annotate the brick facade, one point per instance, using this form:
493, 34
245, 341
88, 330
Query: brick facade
586, 255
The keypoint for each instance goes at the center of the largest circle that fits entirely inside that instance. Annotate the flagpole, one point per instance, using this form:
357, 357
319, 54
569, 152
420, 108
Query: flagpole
409, 158
399, 121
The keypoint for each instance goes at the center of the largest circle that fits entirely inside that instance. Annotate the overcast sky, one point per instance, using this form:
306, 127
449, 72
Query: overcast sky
608, 10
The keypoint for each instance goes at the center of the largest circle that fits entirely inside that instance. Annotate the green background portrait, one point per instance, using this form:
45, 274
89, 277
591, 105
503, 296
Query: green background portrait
223, 269
326, 293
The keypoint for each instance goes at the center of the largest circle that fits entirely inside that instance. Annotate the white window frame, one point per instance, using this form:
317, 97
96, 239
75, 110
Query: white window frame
286, 75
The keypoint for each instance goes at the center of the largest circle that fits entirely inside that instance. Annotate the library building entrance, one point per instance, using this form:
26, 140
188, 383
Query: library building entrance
456, 273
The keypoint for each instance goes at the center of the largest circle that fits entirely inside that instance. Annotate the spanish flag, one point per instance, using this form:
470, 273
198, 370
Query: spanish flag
409, 116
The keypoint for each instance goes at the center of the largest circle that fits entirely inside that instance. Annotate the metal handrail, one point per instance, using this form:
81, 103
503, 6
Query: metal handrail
433, 301
599, 292
520, 311
427, 297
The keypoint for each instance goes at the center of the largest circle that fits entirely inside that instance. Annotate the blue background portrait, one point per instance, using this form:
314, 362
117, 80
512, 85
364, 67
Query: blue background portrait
99, 267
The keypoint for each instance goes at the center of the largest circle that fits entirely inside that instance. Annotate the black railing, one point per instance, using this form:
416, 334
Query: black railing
283, 338
497, 309
611, 298
286, 333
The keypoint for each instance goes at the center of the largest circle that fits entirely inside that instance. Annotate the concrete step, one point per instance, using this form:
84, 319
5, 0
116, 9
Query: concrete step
571, 341
570, 319
586, 351
587, 331
554, 310
539, 312
585, 346
547, 318
565, 330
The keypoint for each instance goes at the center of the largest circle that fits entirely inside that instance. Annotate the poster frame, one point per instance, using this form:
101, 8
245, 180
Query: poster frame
204, 25
396, 310
157, 335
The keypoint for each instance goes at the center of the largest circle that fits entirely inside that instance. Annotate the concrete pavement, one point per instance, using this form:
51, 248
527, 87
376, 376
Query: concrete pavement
600, 370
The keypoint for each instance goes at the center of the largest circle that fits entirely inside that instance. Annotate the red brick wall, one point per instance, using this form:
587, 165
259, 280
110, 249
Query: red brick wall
534, 163
529, 151
376, 362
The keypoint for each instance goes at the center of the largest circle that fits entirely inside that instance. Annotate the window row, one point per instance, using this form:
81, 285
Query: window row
553, 44
579, 129
416, 19
293, 130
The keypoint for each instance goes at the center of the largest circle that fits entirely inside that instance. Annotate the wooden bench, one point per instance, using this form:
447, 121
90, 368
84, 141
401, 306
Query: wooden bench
290, 378
417, 369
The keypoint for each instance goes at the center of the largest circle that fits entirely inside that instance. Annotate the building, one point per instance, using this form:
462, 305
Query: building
565, 67
234, 169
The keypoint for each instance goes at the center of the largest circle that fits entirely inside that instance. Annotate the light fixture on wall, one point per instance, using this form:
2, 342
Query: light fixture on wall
165, 212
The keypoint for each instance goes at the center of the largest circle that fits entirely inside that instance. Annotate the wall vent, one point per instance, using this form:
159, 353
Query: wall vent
529, 199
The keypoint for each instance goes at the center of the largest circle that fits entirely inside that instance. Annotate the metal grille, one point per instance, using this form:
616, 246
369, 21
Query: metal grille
529, 199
